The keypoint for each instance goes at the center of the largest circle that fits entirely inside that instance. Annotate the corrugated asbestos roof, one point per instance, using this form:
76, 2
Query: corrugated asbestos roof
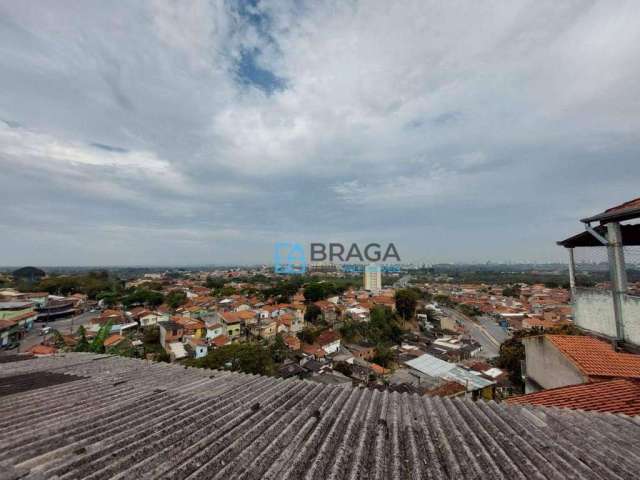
135, 419
436, 368
430, 365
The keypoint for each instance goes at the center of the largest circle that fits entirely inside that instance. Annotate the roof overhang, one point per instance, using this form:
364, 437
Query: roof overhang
630, 236
614, 216
626, 211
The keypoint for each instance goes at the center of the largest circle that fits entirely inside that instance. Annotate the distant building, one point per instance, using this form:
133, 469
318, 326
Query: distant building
372, 278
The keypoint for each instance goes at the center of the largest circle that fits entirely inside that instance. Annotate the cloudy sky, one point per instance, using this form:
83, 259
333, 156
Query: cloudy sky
166, 132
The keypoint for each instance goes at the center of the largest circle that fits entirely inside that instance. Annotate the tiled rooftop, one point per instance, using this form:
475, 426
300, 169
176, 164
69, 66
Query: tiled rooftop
135, 419
615, 396
597, 358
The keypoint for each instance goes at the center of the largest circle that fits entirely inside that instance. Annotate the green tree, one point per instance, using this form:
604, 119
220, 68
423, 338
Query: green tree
83, 344
312, 313
469, 310
151, 335
511, 291
308, 334
243, 357
384, 356
215, 283
510, 358
143, 296
227, 291
279, 350
58, 340
124, 349
406, 301
97, 344
443, 300
314, 292
176, 298
109, 299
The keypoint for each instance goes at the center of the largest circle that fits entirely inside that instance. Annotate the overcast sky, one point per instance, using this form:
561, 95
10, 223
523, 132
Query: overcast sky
165, 132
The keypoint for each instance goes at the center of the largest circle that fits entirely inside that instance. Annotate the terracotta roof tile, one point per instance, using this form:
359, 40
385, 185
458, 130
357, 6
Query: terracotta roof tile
220, 340
113, 340
597, 358
615, 396
42, 350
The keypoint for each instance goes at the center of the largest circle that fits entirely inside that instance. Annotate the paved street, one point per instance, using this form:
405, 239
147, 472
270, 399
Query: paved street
481, 331
63, 325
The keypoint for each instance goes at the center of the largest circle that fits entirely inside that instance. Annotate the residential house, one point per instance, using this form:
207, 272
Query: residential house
561, 360
191, 326
116, 317
291, 322
384, 301
170, 332
214, 328
264, 328
330, 311
362, 352
329, 341
293, 342
232, 324
197, 347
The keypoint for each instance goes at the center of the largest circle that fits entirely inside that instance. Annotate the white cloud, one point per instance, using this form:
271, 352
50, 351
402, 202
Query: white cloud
41, 151
515, 112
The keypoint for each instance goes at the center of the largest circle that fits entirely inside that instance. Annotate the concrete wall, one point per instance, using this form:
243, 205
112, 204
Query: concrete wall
631, 317
547, 367
593, 310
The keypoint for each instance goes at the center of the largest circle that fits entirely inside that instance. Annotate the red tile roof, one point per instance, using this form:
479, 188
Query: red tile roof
220, 340
628, 209
635, 203
231, 317
42, 350
312, 350
615, 396
596, 358
378, 369
113, 340
327, 337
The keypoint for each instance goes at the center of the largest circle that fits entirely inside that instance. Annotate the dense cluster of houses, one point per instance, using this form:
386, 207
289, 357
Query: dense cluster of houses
529, 306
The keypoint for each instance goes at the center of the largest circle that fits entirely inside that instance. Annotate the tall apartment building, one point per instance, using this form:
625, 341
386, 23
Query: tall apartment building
372, 278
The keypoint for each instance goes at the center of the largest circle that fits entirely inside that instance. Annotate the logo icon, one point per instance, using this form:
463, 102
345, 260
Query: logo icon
289, 257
